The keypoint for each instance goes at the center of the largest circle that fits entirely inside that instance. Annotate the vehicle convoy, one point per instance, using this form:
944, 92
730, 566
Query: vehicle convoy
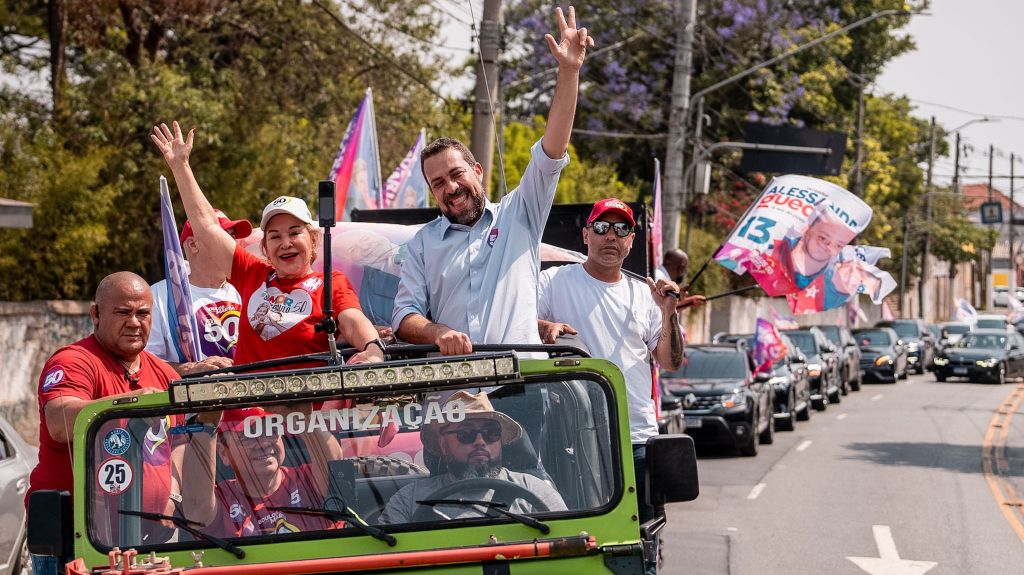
917, 340
723, 401
548, 487
849, 356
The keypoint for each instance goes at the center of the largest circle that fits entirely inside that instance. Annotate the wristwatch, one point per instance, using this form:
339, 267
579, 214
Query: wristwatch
378, 342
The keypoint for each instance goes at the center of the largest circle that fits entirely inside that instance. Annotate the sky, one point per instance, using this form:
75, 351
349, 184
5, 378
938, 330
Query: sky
968, 58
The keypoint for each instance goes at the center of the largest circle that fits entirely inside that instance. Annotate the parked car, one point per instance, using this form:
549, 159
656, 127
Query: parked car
788, 379
723, 401
991, 355
822, 365
917, 339
883, 356
999, 294
849, 356
17, 459
991, 321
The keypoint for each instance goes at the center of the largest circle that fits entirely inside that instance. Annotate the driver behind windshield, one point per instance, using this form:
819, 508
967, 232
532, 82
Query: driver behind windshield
471, 449
244, 505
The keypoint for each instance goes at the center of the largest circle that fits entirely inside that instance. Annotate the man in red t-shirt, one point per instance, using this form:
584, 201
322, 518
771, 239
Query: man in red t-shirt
112, 362
244, 505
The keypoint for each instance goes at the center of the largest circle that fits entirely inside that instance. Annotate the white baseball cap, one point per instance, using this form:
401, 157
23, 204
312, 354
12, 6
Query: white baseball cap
286, 205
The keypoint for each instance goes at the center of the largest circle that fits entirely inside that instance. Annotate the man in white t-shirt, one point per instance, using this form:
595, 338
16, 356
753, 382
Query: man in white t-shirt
215, 303
618, 318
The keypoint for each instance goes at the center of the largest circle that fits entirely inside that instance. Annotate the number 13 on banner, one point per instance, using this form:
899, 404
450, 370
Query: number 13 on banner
757, 232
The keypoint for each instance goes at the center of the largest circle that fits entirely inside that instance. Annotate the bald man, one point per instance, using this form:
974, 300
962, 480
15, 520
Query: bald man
673, 268
112, 362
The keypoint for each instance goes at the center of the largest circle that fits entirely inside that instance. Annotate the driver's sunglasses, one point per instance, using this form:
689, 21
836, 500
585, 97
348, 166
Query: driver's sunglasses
601, 227
467, 435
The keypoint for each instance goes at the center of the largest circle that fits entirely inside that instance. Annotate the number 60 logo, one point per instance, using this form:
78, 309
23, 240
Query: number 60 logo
114, 475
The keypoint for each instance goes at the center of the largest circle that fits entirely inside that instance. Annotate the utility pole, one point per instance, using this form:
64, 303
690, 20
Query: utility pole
1013, 262
922, 284
903, 266
686, 14
986, 294
858, 174
485, 95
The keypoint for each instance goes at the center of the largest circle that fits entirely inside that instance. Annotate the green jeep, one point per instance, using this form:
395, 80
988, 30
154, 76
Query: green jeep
260, 493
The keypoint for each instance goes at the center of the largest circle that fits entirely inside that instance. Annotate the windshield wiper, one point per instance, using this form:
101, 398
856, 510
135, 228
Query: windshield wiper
342, 513
497, 506
187, 524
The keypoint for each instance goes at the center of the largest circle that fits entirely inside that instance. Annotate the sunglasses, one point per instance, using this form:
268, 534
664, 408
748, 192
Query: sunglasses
601, 227
467, 435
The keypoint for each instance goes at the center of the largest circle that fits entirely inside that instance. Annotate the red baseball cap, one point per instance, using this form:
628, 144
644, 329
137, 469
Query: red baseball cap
242, 227
234, 419
613, 205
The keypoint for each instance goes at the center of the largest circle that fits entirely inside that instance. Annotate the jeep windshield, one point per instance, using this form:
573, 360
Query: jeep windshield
255, 472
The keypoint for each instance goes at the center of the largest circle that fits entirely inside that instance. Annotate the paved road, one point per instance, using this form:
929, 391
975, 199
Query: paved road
906, 458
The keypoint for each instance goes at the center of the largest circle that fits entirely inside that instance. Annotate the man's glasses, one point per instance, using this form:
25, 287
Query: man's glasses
467, 435
601, 227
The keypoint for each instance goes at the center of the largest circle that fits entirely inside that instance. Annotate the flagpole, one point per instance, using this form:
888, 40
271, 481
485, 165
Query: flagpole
376, 147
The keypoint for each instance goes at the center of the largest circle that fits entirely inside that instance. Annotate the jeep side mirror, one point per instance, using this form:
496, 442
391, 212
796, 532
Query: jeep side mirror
671, 469
50, 530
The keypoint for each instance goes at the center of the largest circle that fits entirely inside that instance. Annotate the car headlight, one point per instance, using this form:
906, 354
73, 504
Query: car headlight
732, 400
777, 380
990, 362
941, 361
814, 369
883, 360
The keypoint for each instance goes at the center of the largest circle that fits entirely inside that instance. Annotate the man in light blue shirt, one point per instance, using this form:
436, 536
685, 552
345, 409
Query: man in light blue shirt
474, 272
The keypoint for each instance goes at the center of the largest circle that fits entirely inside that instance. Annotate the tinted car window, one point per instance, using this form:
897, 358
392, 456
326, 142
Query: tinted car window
983, 341
711, 365
803, 340
991, 324
865, 338
905, 329
832, 333
957, 329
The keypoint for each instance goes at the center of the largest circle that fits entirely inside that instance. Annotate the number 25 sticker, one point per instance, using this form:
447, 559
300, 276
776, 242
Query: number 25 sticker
114, 475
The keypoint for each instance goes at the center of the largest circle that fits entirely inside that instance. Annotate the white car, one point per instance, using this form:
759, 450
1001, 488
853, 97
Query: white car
17, 459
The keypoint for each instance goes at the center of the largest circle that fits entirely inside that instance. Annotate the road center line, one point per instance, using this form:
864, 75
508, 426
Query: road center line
804, 445
877, 397
756, 490
841, 416
993, 461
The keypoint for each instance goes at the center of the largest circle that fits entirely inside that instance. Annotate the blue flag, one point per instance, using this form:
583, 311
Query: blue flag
180, 319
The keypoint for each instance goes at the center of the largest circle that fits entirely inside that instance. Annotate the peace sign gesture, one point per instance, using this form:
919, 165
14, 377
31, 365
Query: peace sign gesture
571, 48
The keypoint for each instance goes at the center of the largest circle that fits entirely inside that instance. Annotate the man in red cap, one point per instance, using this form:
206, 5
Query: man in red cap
617, 318
216, 304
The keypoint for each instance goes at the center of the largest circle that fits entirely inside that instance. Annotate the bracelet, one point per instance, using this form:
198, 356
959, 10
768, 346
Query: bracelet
175, 497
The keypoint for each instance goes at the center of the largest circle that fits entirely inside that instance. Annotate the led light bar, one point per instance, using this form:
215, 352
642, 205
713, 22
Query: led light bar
492, 369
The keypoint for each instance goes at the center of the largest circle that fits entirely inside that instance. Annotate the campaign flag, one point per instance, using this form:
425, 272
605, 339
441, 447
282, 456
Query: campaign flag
406, 187
887, 314
965, 312
656, 244
768, 345
1016, 311
784, 322
180, 319
791, 241
356, 168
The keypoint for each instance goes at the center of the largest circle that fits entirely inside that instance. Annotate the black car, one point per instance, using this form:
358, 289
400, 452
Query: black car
788, 379
849, 356
916, 338
722, 400
883, 357
990, 355
822, 365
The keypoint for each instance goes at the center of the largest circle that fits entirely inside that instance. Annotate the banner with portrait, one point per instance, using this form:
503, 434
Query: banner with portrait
180, 320
794, 241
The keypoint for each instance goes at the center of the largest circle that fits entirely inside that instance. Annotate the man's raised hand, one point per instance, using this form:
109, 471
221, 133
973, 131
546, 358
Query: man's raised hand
571, 48
172, 145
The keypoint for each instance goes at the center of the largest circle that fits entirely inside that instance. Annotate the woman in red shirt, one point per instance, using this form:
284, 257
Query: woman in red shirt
282, 295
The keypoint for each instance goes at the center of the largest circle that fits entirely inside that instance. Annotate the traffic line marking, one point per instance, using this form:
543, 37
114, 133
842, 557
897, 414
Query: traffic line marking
877, 397
841, 416
756, 491
995, 465
888, 561
804, 445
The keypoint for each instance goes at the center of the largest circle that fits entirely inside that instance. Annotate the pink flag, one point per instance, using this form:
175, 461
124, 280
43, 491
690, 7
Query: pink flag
886, 312
768, 346
784, 322
656, 245
356, 168
406, 187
